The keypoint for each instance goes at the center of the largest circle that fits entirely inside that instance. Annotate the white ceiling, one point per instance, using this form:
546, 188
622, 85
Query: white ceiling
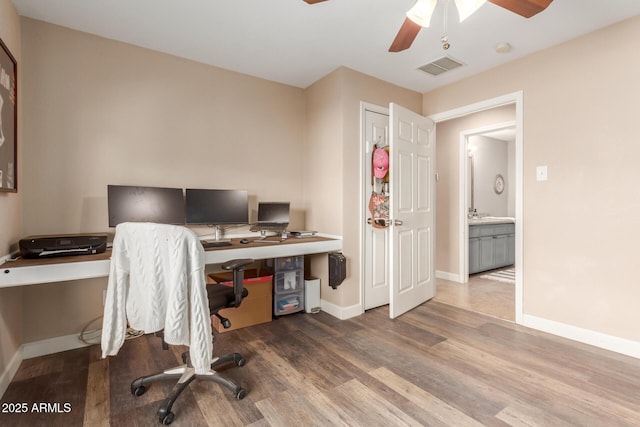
291, 42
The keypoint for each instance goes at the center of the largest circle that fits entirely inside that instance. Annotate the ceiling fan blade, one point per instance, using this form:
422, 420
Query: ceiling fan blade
405, 37
526, 8
313, 1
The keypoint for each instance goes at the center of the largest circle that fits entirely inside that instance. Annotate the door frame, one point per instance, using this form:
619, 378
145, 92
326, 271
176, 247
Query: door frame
511, 98
364, 106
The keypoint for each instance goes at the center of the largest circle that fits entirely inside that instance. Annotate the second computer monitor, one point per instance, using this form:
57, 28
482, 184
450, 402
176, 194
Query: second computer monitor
217, 207
273, 213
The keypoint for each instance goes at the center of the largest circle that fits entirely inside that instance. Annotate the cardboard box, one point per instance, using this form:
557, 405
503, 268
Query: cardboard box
255, 308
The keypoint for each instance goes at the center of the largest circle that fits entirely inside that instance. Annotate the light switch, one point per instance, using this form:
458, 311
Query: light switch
541, 173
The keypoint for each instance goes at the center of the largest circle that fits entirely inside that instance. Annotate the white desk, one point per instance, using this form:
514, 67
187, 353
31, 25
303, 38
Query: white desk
30, 272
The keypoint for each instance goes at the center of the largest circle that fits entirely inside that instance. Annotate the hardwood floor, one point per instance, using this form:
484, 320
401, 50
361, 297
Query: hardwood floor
437, 365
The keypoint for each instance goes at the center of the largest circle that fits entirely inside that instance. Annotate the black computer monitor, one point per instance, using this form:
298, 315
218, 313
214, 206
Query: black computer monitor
217, 207
145, 204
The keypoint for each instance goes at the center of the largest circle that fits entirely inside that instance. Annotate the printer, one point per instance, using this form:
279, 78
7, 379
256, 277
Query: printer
65, 245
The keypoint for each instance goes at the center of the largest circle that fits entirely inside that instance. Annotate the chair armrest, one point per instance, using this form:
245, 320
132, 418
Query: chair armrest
235, 264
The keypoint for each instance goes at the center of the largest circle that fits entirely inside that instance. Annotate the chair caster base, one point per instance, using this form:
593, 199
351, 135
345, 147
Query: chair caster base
166, 419
185, 374
137, 388
241, 394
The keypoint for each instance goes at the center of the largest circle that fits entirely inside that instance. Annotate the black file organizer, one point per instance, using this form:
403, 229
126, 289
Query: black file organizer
337, 269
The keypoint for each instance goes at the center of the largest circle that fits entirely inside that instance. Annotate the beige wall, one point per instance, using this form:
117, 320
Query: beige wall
333, 141
99, 112
153, 119
448, 186
323, 180
10, 298
581, 100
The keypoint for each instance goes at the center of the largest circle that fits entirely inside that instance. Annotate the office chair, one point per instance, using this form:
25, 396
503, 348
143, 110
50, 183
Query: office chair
152, 261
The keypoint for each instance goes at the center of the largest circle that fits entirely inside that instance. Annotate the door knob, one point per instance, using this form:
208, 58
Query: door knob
397, 222
379, 222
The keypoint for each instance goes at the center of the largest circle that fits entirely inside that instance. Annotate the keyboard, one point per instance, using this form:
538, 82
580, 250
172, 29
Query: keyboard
268, 227
214, 244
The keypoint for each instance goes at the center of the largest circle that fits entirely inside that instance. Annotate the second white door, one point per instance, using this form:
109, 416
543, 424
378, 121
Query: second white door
399, 267
412, 241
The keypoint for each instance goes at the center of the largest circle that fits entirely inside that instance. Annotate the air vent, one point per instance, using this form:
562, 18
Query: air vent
440, 65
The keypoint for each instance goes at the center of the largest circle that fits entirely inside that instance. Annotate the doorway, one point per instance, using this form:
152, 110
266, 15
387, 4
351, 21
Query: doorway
457, 250
486, 153
376, 240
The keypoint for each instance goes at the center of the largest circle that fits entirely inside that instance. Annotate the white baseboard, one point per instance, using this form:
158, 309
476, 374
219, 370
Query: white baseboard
586, 336
448, 276
10, 371
53, 345
341, 313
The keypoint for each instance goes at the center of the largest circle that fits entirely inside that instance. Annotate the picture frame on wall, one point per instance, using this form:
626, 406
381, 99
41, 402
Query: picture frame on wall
8, 120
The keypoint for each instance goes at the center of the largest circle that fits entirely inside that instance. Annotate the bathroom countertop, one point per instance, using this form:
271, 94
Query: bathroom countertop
492, 220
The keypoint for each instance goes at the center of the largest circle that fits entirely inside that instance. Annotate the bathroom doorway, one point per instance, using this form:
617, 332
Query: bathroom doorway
490, 152
487, 179
486, 117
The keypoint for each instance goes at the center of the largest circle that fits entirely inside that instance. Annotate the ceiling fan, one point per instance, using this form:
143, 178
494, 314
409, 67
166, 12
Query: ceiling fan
420, 15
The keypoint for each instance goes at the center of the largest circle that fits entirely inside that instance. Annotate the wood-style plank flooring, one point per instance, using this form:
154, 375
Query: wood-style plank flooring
479, 294
437, 365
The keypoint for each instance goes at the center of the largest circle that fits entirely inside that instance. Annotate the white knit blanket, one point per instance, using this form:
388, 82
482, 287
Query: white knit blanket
157, 281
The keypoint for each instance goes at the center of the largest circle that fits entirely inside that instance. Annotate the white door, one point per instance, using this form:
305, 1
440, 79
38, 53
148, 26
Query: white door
376, 240
412, 180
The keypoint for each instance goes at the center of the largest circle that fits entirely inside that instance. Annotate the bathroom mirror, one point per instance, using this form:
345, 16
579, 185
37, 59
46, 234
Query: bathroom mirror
491, 163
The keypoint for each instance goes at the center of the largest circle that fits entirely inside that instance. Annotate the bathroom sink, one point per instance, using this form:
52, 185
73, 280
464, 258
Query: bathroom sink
493, 220
500, 218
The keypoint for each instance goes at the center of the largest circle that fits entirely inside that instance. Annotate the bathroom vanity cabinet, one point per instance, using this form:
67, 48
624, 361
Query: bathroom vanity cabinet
491, 246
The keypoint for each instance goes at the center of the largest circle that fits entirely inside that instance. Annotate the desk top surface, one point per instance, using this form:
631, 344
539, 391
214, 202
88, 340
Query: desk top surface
21, 272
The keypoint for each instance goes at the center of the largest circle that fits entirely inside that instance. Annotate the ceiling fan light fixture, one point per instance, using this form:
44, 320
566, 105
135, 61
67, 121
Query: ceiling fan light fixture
422, 11
466, 8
